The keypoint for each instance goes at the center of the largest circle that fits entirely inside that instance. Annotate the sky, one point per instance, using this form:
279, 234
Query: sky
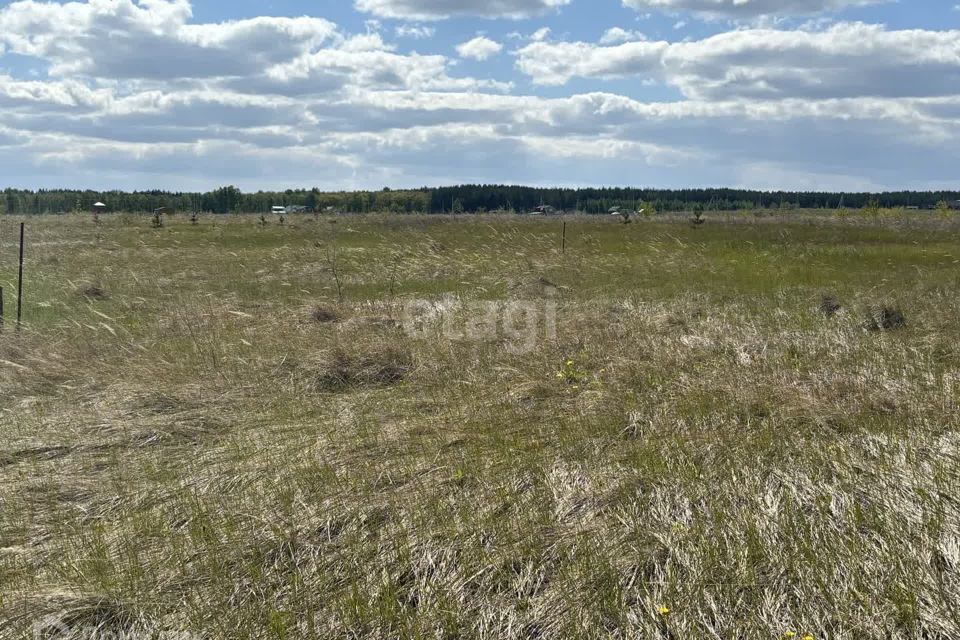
856, 95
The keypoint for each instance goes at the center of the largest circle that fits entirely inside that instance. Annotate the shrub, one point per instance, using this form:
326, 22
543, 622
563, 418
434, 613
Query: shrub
943, 209
872, 208
697, 219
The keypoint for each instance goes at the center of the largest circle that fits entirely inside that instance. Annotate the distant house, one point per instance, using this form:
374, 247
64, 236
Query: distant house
278, 210
544, 210
98, 207
954, 204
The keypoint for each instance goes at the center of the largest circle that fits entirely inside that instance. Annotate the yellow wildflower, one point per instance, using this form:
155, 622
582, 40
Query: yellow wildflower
664, 611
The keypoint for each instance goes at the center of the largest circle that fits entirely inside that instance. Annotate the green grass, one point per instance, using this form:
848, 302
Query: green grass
191, 452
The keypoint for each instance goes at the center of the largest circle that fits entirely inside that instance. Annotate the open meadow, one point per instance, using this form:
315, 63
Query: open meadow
447, 427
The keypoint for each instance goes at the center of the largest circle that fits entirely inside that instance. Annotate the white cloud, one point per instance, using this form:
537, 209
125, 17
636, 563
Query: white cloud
442, 9
120, 39
616, 35
65, 94
153, 41
375, 137
540, 34
417, 32
848, 59
480, 48
374, 68
555, 63
744, 9
368, 136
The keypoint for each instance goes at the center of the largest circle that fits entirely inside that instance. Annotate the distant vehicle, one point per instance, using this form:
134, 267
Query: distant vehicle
278, 210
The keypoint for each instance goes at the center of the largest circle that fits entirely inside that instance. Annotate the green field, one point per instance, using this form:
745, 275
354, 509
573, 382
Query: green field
232, 430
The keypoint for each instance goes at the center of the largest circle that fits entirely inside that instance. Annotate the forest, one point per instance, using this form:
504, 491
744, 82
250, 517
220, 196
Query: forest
458, 199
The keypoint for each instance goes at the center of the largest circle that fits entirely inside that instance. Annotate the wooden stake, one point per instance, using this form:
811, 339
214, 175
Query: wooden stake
563, 244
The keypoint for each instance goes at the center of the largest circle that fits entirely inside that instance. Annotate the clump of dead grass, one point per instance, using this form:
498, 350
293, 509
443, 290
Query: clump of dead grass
533, 287
322, 314
92, 291
377, 364
158, 403
885, 317
85, 617
830, 306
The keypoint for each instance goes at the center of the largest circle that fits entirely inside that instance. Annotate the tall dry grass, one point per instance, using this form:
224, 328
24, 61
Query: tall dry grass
197, 452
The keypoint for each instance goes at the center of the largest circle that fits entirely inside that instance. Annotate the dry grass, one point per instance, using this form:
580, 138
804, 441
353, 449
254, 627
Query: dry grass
189, 455
92, 291
369, 365
885, 318
324, 315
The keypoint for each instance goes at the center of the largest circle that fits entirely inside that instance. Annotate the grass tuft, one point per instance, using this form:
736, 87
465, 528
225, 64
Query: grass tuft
885, 318
830, 306
368, 365
324, 315
92, 291
86, 617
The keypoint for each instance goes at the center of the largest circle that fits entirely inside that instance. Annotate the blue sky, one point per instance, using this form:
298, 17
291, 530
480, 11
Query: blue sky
793, 94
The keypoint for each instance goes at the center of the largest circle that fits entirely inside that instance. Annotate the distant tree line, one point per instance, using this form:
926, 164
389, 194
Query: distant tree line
499, 197
459, 199
223, 200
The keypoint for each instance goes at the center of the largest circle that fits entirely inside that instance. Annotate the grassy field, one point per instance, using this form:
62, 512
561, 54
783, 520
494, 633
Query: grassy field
231, 430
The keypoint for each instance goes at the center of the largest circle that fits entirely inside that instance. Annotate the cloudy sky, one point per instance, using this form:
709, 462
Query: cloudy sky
343, 94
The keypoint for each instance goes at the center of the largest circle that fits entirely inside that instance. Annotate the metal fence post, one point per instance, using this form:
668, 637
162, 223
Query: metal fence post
20, 282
